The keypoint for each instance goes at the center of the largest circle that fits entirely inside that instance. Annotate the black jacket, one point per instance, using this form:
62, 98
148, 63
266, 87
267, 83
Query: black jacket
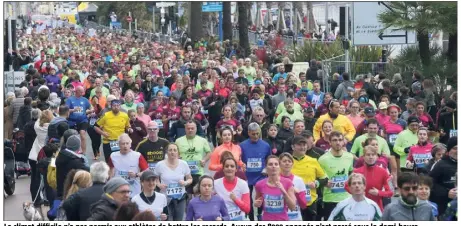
275, 143
284, 134
264, 127
446, 121
309, 123
178, 129
443, 175
29, 134
24, 116
103, 210
214, 112
77, 206
65, 162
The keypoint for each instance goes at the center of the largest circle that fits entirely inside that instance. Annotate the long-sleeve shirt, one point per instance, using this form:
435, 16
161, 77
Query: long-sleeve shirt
241, 205
207, 211
405, 139
215, 164
254, 156
377, 177
341, 124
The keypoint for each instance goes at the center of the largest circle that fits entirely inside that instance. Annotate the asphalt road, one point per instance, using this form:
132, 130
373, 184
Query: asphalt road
13, 204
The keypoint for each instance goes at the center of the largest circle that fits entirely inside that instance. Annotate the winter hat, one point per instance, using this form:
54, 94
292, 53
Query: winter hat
113, 184
452, 142
73, 143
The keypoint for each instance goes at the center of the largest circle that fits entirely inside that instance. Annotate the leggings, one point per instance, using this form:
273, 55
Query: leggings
176, 209
35, 183
95, 140
260, 210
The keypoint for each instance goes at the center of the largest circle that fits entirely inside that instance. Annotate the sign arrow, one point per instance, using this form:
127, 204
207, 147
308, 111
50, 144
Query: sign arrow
381, 36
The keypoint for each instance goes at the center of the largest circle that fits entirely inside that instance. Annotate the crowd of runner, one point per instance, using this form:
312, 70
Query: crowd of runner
279, 147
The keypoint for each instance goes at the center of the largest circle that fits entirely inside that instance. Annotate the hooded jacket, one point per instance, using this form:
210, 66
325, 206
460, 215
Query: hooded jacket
77, 206
57, 127
341, 91
400, 211
103, 210
443, 176
39, 141
66, 161
24, 116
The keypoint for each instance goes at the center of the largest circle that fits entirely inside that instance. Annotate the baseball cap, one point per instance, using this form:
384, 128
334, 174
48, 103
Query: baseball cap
146, 175
369, 111
413, 119
382, 106
299, 139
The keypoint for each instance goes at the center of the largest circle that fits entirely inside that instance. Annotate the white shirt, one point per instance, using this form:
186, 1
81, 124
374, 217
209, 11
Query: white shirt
125, 163
351, 210
241, 188
156, 206
171, 177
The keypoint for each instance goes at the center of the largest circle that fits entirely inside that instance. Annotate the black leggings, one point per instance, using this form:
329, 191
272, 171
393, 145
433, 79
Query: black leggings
95, 140
35, 180
212, 131
327, 209
251, 215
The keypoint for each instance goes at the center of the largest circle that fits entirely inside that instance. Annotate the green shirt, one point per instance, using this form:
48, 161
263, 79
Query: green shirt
296, 115
128, 107
281, 108
104, 90
358, 149
337, 170
405, 139
209, 85
192, 151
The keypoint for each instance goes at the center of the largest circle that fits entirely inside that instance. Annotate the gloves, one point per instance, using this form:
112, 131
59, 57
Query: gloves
407, 150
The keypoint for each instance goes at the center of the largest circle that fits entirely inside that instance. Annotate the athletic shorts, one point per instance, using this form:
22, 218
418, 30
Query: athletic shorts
82, 126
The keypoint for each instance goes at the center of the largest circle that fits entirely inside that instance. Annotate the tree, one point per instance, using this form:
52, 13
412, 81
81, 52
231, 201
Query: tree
227, 21
195, 22
138, 10
244, 43
422, 17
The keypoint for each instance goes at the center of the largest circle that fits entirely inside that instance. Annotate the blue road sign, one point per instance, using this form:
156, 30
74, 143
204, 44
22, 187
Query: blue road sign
212, 7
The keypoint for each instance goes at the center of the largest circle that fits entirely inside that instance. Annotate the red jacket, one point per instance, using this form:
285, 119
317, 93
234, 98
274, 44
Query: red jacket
376, 177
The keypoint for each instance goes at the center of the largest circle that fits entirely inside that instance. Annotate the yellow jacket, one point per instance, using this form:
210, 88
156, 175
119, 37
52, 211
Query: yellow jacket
341, 124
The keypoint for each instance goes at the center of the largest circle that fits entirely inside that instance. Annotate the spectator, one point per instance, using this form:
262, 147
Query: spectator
116, 192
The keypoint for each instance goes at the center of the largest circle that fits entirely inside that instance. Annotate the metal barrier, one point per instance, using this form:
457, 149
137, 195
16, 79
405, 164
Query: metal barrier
9, 81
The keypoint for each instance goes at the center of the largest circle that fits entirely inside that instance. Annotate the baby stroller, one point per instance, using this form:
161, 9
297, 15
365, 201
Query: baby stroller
21, 155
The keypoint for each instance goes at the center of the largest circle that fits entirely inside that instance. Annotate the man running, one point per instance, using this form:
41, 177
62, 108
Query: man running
79, 107
153, 148
357, 207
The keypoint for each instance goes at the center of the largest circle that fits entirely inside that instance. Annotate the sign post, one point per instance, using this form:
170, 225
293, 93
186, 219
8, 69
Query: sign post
366, 26
215, 7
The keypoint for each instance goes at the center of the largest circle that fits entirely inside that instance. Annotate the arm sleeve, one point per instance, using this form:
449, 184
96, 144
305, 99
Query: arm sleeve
334, 212
339, 91
355, 147
398, 149
350, 129
386, 216
301, 199
410, 155
387, 193
190, 212
244, 203
317, 128
214, 165
143, 163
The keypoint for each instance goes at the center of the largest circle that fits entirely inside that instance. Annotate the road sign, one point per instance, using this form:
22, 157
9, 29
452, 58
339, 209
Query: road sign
366, 26
129, 19
165, 4
116, 25
212, 7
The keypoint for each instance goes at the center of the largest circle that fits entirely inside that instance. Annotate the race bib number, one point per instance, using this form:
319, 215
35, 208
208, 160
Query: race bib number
193, 166
205, 112
235, 214
308, 194
124, 175
294, 215
175, 191
273, 204
159, 123
338, 184
392, 138
152, 166
453, 133
92, 121
254, 165
114, 145
421, 159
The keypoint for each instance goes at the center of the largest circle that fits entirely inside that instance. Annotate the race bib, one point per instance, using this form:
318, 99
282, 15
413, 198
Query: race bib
92, 121
124, 175
392, 138
308, 194
205, 112
235, 214
421, 159
159, 123
254, 165
152, 166
193, 166
114, 145
294, 215
273, 204
338, 184
453, 133
175, 191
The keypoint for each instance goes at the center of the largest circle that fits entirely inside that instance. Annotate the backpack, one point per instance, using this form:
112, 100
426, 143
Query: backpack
51, 173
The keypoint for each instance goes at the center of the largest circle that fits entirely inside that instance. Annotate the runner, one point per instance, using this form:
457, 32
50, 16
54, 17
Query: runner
234, 191
340, 122
79, 107
127, 164
275, 194
405, 140
149, 199
420, 154
111, 125
178, 129
357, 207
227, 145
195, 150
174, 175
286, 166
337, 164
372, 132
153, 148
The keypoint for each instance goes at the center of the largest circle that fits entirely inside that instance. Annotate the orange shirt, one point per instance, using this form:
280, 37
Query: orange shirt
215, 164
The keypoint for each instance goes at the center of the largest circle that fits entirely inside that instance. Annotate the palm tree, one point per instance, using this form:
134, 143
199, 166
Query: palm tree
244, 43
227, 23
195, 22
422, 17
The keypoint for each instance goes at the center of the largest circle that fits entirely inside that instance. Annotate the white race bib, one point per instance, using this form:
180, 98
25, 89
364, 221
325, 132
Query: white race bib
392, 138
114, 145
152, 166
308, 194
170, 123
235, 213
421, 159
193, 166
175, 191
453, 133
254, 165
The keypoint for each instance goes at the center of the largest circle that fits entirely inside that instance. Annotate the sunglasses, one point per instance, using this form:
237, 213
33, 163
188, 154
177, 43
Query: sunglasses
414, 188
